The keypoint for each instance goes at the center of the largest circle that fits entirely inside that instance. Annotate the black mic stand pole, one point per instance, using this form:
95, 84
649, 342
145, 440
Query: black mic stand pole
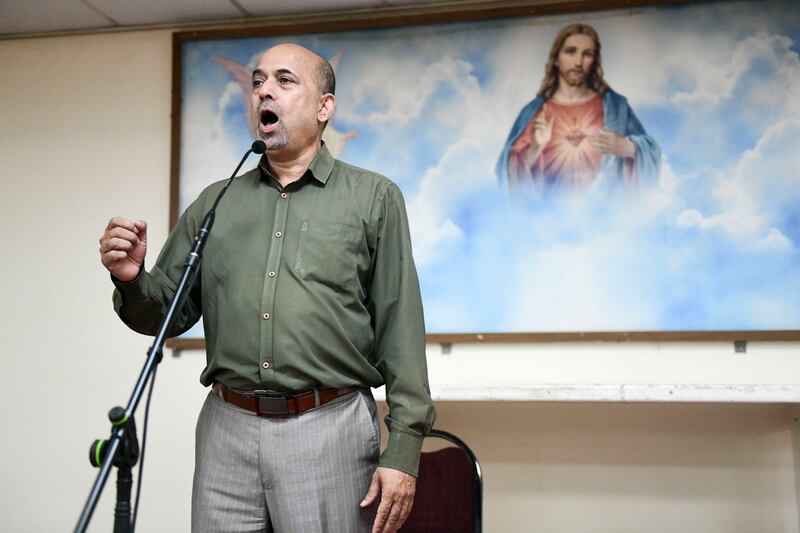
104, 454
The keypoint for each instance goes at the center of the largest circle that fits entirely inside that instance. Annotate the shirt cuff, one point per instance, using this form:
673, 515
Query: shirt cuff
402, 452
129, 291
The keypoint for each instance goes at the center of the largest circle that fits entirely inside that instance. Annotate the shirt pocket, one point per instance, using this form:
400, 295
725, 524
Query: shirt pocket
327, 253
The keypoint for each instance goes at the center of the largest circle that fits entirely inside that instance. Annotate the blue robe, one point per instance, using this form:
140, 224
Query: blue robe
619, 118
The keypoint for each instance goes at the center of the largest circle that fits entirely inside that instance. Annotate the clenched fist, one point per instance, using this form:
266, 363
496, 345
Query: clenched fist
123, 246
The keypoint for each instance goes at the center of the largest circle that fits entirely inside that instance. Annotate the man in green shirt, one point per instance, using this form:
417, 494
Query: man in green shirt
308, 292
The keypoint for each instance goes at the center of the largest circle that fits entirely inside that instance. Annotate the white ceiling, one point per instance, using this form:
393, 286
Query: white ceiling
20, 18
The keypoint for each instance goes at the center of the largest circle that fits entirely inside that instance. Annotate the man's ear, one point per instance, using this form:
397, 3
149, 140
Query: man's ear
327, 105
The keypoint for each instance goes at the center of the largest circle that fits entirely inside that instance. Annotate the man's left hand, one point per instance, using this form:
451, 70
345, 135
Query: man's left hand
397, 496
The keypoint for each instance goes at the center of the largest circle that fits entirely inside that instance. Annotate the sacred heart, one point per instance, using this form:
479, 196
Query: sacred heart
575, 138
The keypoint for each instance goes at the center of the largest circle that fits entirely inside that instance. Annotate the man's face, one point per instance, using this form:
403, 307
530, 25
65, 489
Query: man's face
286, 98
575, 59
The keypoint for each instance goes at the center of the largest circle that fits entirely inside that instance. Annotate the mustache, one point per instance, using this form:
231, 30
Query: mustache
268, 105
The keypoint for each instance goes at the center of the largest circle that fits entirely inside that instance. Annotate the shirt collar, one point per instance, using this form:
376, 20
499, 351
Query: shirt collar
320, 168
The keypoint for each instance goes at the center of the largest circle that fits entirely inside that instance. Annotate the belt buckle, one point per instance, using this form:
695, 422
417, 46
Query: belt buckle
271, 403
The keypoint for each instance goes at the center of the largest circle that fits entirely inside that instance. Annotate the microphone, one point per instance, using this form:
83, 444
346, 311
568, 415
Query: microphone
258, 147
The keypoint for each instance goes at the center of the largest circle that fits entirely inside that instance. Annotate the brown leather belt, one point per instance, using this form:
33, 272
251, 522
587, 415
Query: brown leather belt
270, 403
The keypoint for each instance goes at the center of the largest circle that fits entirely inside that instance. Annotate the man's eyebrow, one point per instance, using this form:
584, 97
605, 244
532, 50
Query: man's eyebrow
259, 72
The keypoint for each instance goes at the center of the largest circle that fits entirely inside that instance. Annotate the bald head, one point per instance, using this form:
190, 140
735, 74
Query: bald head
322, 70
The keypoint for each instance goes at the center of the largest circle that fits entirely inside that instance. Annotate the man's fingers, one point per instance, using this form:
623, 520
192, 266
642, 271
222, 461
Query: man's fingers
113, 256
406, 511
141, 229
397, 496
372, 493
395, 518
405, 505
122, 223
381, 516
115, 244
399, 509
123, 227
122, 233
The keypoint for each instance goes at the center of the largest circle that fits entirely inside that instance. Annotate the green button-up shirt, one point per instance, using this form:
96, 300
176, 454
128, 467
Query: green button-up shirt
311, 285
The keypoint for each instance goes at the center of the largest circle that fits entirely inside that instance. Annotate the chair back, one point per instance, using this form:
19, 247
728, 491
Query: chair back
449, 497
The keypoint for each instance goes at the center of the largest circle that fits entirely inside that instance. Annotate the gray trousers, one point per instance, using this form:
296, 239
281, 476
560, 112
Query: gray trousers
300, 474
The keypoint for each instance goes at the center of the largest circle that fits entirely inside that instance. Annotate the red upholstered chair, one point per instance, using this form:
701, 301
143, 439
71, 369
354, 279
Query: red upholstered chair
449, 496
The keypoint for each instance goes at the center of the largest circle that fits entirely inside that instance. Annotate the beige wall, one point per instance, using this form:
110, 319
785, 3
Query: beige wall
84, 134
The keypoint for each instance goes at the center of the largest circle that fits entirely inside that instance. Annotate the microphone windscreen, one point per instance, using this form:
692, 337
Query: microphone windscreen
258, 147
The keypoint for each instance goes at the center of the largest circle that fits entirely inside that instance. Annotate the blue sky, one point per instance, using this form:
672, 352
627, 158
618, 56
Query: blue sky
712, 245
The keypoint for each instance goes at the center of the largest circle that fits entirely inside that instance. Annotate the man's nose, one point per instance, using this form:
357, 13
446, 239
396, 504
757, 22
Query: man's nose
266, 91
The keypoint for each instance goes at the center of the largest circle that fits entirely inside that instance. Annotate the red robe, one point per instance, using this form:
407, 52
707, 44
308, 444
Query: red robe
568, 157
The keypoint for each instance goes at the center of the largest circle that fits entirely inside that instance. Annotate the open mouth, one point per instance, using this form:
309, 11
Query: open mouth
268, 118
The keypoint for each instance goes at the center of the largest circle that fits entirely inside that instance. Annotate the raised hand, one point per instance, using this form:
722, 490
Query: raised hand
542, 129
123, 246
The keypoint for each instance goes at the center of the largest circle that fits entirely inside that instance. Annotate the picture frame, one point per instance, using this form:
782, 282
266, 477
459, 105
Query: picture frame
367, 32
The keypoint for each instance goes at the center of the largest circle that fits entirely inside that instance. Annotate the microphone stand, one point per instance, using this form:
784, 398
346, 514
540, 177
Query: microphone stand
122, 448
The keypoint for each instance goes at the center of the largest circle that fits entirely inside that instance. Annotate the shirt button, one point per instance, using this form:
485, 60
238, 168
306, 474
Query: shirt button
278, 234
265, 364
271, 274
284, 195
266, 316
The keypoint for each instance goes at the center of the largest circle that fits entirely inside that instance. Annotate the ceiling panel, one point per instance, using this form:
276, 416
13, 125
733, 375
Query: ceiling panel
260, 8
59, 16
140, 12
41, 16
395, 3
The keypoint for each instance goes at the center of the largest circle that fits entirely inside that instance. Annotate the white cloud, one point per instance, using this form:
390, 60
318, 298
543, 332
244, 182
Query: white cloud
696, 67
231, 92
713, 79
576, 278
756, 194
442, 188
209, 153
774, 240
771, 168
764, 184
692, 218
664, 196
403, 103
